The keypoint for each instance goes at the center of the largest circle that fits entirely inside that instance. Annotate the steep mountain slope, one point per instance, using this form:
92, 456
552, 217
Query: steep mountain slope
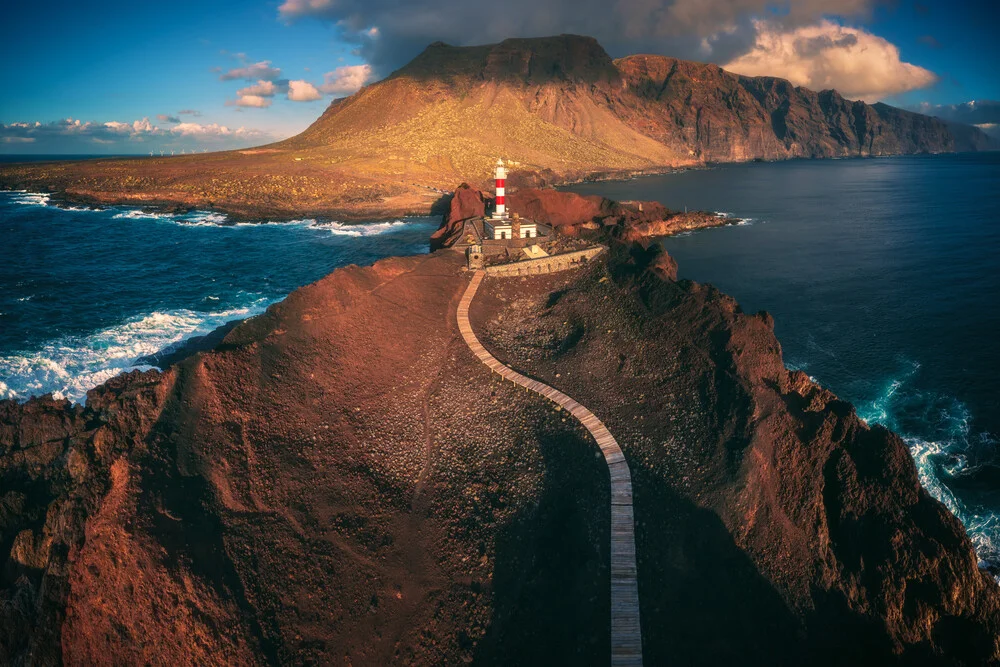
558, 107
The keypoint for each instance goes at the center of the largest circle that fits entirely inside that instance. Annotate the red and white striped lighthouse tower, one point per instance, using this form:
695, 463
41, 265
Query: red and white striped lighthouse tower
501, 210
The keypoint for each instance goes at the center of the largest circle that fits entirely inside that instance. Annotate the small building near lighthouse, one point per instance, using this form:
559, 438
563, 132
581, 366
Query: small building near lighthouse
501, 226
503, 236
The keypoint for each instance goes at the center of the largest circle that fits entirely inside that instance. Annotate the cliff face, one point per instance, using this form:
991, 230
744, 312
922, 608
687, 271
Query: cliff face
558, 107
723, 117
566, 108
342, 480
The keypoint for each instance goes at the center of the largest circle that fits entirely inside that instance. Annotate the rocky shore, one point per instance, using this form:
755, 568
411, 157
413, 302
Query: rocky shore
572, 215
340, 480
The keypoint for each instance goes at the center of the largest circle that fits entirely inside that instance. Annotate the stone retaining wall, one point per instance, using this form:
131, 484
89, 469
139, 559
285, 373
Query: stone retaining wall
550, 264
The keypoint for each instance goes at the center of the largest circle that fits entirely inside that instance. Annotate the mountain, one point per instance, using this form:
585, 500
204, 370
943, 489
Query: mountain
342, 481
558, 107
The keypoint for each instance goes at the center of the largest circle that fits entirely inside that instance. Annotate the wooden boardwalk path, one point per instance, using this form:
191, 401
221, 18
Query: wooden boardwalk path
626, 635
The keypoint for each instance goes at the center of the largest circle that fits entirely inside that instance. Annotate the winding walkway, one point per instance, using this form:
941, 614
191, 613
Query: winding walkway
626, 635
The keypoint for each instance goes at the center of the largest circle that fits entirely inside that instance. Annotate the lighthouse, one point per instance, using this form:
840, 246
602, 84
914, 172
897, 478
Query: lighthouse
500, 211
499, 226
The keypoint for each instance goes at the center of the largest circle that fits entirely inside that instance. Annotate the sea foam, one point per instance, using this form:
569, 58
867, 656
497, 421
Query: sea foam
72, 365
360, 229
194, 218
941, 452
26, 198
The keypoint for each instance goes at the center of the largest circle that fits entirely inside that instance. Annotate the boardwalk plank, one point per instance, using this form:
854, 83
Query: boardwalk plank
626, 630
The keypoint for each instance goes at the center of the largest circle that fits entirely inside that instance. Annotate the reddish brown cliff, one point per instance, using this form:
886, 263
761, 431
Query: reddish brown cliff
466, 203
342, 481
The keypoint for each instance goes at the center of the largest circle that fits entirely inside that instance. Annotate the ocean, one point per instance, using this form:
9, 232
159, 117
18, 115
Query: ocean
882, 276
86, 294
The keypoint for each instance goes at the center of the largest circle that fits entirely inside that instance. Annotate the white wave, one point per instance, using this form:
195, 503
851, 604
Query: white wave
307, 222
139, 214
204, 218
722, 214
982, 526
29, 198
26, 198
938, 459
72, 365
192, 219
360, 229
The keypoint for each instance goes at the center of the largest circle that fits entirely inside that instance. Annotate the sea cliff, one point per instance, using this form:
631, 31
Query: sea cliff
340, 479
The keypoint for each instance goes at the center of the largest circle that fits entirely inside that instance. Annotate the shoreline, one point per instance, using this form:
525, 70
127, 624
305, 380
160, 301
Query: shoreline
73, 203
363, 211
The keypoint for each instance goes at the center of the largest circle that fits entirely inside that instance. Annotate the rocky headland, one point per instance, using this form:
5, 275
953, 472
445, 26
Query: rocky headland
560, 108
572, 215
341, 480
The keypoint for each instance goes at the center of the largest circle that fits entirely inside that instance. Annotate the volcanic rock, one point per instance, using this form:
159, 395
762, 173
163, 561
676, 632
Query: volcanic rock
341, 480
466, 203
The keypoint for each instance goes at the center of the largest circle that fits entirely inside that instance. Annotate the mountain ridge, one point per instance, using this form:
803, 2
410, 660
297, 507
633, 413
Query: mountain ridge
559, 108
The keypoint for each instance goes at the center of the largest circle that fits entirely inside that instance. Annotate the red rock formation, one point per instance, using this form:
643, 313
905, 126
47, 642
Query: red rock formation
572, 215
466, 203
341, 480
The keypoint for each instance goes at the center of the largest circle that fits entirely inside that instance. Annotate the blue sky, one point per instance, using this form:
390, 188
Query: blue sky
126, 70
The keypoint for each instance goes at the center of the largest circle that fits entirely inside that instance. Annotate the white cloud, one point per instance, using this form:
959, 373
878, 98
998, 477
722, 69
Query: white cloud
261, 70
212, 130
261, 89
138, 136
346, 80
252, 101
302, 91
135, 127
858, 64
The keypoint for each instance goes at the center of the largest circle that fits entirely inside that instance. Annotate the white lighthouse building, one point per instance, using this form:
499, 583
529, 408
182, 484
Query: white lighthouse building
501, 226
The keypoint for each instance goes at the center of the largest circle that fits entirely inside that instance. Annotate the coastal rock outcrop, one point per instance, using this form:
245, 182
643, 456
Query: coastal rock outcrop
341, 480
571, 214
466, 203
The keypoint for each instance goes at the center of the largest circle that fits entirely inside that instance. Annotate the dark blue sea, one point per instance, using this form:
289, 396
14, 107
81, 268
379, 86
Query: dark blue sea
883, 276
86, 294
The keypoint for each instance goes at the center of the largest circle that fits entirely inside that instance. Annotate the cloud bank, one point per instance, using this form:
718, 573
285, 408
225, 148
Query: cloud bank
391, 32
795, 39
856, 63
73, 135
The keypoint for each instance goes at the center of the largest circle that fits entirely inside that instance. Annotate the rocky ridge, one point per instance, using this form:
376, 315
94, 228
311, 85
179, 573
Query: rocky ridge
340, 480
